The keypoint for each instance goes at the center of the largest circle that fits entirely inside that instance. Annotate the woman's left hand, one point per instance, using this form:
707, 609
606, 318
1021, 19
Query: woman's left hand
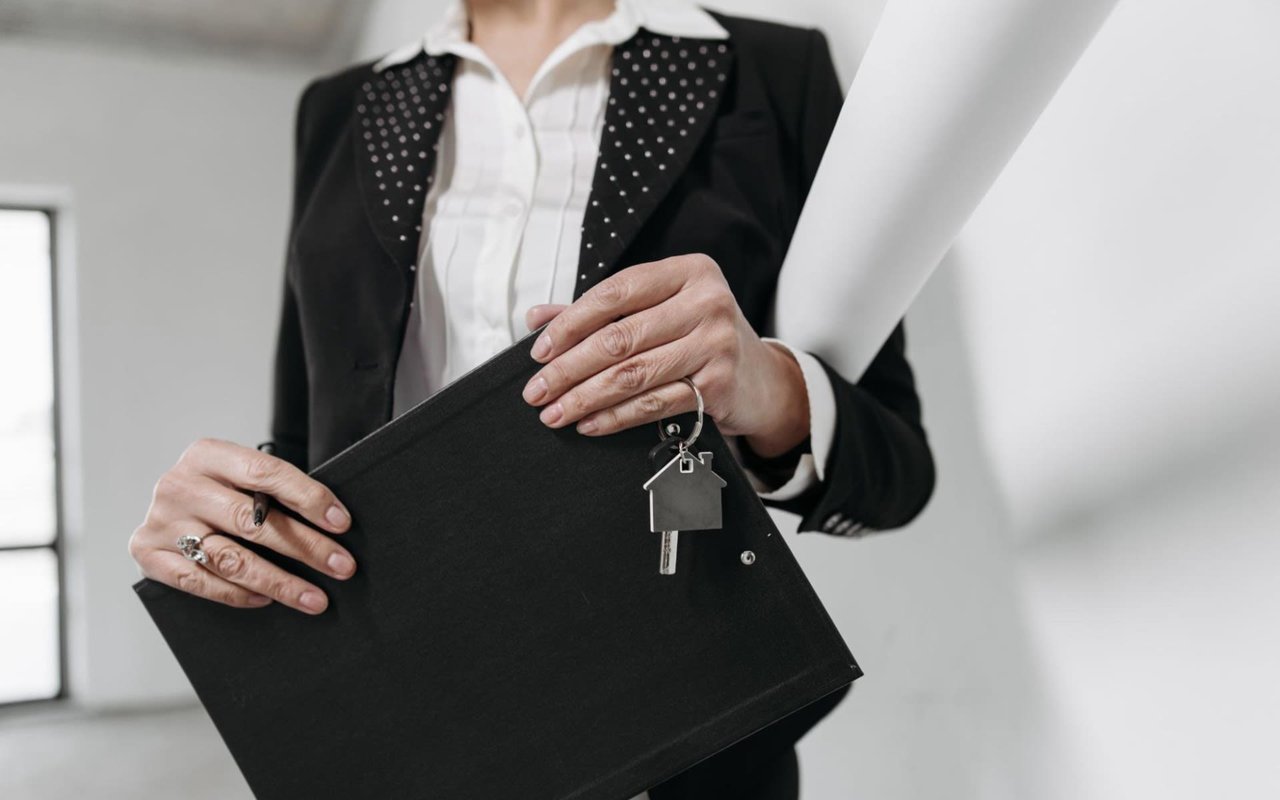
614, 358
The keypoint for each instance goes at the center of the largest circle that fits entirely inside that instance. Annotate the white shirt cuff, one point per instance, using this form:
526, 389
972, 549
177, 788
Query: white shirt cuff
822, 429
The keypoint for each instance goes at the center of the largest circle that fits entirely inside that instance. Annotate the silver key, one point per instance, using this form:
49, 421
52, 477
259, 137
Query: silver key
683, 495
670, 547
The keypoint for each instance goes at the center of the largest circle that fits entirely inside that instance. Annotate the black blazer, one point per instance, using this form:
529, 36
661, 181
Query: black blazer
708, 146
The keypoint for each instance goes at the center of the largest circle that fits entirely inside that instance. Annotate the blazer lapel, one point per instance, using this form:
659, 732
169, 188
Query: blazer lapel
663, 94
401, 111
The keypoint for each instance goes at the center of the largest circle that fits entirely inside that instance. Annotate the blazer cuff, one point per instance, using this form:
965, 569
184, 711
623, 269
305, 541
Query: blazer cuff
781, 478
800, 481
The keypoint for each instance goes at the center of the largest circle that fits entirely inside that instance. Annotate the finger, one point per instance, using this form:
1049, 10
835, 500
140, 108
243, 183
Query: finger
612, 344
245, 468
539, 315
173, 569
649, 407
241, 566
229, 511
620, 382
625, 292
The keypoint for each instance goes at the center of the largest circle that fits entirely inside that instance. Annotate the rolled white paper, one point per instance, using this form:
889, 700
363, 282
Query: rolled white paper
942, 99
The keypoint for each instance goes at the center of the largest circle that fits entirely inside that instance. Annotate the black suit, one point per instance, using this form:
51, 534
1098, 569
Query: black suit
708, 147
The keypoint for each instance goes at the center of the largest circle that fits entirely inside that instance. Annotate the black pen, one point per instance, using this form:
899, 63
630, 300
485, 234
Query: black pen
262, 500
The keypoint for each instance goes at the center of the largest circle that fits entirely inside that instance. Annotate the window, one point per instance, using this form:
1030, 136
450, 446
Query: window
30, 540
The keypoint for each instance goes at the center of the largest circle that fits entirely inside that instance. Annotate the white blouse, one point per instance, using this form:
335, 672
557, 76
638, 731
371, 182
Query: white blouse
503, 217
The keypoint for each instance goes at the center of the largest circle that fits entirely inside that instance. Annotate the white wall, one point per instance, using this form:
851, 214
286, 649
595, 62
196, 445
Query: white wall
392, 23
1119, 288
1155, 619
176, 175
1121, 278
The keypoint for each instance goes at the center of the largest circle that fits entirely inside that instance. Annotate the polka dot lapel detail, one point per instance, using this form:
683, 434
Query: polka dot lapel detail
663, 94
400, 112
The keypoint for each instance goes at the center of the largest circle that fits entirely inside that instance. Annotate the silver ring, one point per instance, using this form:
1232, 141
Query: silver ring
697, 425
189, 546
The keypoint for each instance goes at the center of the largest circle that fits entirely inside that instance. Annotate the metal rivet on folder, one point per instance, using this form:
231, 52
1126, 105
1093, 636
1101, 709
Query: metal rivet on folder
748, 558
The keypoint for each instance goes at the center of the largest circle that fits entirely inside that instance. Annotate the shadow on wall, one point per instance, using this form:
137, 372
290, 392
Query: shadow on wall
953, 703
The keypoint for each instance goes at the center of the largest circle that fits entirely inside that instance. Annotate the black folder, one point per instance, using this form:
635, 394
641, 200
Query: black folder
507, 634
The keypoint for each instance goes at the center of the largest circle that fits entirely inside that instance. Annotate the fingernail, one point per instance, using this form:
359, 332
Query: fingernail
551, 414
587, 426
535, 390
259, 600
541, 347
312, 601
341, 564
337, 516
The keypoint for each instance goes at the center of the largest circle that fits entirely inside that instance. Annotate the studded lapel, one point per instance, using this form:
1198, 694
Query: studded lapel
663, 95
401, 111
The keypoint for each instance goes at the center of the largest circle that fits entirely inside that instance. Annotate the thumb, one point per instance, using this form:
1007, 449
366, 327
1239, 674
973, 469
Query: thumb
539, 315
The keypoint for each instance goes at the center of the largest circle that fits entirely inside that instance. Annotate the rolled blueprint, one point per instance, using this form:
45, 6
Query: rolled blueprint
944, 95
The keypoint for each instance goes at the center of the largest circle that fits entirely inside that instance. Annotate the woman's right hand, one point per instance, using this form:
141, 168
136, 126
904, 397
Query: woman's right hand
209, 493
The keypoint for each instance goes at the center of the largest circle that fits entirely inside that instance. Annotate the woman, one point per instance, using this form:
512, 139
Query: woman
628, 174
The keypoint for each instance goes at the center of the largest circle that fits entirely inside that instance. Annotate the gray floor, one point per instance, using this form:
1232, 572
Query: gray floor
57, 754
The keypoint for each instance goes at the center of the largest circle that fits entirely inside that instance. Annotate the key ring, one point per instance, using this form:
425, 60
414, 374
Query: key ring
697, 425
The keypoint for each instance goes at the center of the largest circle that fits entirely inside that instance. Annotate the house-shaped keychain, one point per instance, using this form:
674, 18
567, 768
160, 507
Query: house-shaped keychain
685, 494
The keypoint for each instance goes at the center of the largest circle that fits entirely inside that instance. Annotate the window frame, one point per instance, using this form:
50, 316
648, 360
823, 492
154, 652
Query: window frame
53, 212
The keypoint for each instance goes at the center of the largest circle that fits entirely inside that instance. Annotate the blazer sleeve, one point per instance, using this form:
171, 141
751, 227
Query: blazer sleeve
291, 402
879, 472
